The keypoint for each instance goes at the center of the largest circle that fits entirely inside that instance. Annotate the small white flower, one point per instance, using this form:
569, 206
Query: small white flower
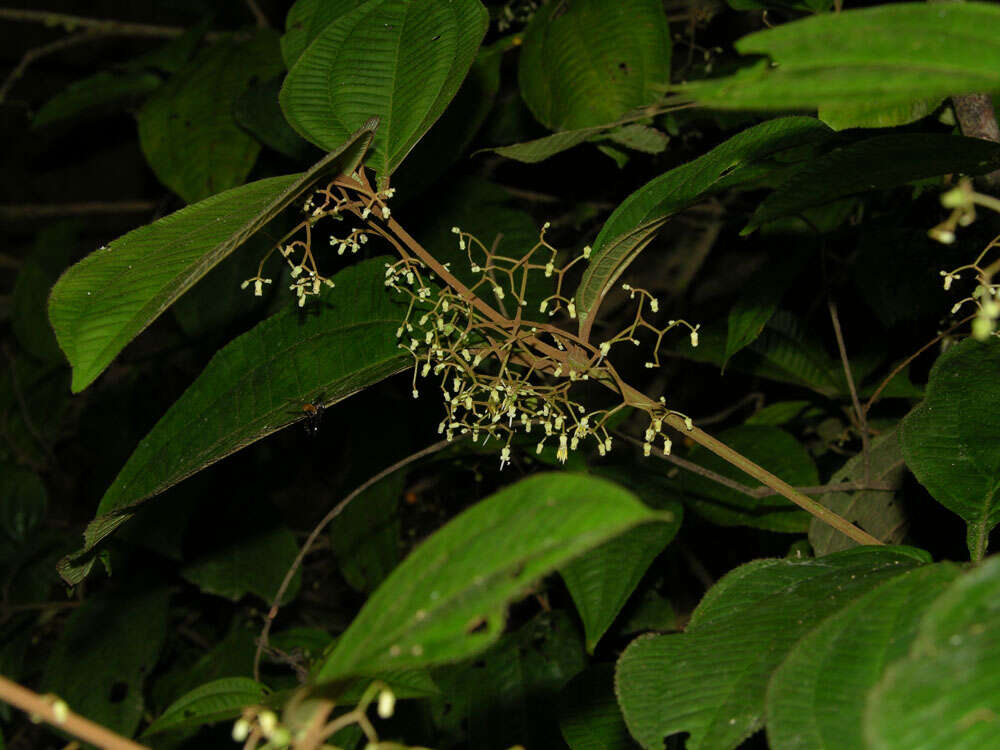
646, 448
268, 722
386, 703
586, 252
241, 730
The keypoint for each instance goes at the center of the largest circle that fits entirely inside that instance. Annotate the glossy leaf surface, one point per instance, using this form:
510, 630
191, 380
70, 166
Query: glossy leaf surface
257, 384
951, 441
396, 60
711, 680
109, 297
447, 600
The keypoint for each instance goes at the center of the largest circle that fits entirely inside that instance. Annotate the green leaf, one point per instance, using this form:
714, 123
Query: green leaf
255, 386
589, 716
187, 130
257, 111
540, 149
101, 89
876, 511
711, 680
589, 62
602, 580
306, 19
250, 555
874, 164
24, 502
640, 137
216, 701
746, 156
507, 696
105, 653
891, 54
447, 600
788, 354
447, 140
759, 301
945, 695
876, 115
951, 441
170, 56
54, 245
365, 537
767, 446
635, 136
109, 297
397, 60
778, 413
816, 698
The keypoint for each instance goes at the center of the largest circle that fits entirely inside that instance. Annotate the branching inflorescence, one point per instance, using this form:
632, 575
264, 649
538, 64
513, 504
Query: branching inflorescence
499, 372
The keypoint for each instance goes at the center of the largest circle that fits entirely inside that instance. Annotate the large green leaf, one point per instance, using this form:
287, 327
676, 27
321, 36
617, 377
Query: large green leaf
589, 716
507, 696
98, 90
257, 111
589, 62
951, 441
946, 694
879, 512
891, 54
876, 115
256, 385
711, 680
109, 297
365, 537
876, 163
249, 555
634, 136
104, 655
398, 60
759, 301
447, 600
816, 698
602, 580
187, 130
215, 701
305, 20
767, 446
744, 157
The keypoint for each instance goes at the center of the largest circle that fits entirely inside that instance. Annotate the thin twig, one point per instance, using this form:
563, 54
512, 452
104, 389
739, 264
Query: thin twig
762, 491
44, 709
38, 52
905, 363
104, 26
324, 522
51, 210
633, 397
859, 413
258, 14
756, 398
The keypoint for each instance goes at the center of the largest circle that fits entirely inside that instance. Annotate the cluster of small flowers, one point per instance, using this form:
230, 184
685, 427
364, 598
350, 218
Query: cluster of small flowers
307, 281
985, 296
489, 389
255, 724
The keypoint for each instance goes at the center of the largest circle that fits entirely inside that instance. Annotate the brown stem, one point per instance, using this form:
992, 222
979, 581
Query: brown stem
859, 413
36, 53
977, 119
902, 365
106, 27
258, 14
44, 709
317, 529
633, 397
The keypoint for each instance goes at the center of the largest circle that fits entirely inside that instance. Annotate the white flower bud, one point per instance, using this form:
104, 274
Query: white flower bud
241, 730
268, 722
386, 703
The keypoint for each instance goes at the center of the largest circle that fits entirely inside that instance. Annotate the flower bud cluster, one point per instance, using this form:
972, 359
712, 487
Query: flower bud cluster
494, 380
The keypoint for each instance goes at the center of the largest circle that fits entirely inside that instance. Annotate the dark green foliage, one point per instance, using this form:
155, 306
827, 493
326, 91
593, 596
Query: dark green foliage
811, 214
